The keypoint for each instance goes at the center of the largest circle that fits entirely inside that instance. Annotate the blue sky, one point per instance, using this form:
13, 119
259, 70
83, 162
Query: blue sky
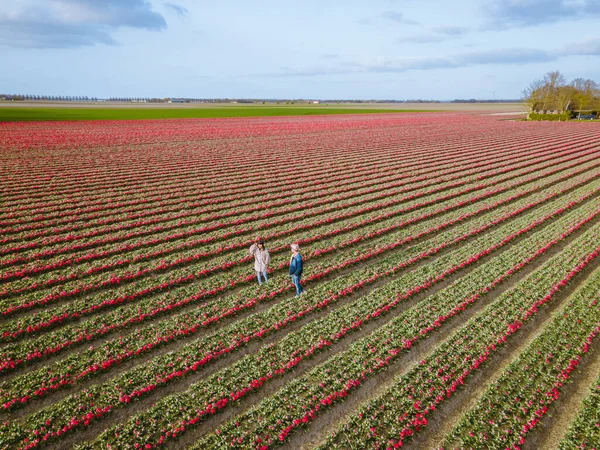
381, 49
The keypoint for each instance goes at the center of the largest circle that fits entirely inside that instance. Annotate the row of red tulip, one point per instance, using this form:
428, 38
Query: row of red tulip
400, 411
338, 176
147, 339
62, 339
517, 402
469, 183
51, 318
363, 145
391, 170
62, 263
62, 294
171, 416
132, 274
129, 191
167, 368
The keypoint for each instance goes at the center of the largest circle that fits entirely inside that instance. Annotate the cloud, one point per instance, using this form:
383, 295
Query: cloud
514, 56
388, 16
406, 64
449, 30
422, 39
522, 13
506, 56
72, 23
587, 47
179, 10
290, 72
437, 34
397, 17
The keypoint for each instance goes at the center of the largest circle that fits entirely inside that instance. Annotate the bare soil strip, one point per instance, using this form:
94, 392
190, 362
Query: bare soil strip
434, 437
230, 359
330, 419
247, 403
122, 414
551, 430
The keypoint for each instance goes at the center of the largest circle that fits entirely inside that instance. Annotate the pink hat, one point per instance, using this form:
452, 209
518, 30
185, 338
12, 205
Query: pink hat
295, 247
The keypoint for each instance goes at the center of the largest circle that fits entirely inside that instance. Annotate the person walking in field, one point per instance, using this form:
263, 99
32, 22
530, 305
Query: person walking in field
296, 268
262, 258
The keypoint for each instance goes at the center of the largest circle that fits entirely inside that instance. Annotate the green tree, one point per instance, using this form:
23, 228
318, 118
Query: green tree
587, 93
533, 95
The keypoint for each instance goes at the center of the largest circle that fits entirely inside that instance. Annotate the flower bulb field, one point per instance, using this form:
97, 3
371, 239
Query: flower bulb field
451, 268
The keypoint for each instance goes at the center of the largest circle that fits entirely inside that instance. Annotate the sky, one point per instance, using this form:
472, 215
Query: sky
312, 49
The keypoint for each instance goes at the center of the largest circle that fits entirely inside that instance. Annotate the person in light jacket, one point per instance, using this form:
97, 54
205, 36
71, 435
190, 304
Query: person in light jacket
262, 258
296, 268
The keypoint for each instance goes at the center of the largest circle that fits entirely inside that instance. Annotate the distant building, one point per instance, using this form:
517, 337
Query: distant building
316, 102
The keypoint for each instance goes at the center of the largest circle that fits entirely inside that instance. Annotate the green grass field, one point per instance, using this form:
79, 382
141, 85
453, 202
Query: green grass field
29, 114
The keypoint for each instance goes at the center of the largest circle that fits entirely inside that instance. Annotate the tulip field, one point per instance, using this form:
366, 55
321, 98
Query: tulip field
452, 275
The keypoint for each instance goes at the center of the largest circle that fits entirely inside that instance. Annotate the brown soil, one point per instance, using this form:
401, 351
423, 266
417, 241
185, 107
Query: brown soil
176, 345
435, 439
439, 421
555, 424
192, 435
118, 333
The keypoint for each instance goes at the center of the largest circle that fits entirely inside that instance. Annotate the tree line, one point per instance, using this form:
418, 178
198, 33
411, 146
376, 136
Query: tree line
554, 93
61, 98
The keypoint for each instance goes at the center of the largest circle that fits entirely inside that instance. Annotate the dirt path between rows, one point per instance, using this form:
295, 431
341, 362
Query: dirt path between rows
144, 403
121, 415
555, 424
246, 404
331, 419
454, 415
106, 338
95, 292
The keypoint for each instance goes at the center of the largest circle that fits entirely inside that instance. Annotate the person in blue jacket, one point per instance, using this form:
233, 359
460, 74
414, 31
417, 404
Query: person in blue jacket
296, 268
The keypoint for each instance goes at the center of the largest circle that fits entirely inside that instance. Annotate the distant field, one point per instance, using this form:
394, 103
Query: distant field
29, 114
451, 267
51, 111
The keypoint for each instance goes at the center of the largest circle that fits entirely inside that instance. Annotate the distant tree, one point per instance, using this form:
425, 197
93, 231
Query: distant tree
552, 82
564, 97
553, 92
533, 95
586, 93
